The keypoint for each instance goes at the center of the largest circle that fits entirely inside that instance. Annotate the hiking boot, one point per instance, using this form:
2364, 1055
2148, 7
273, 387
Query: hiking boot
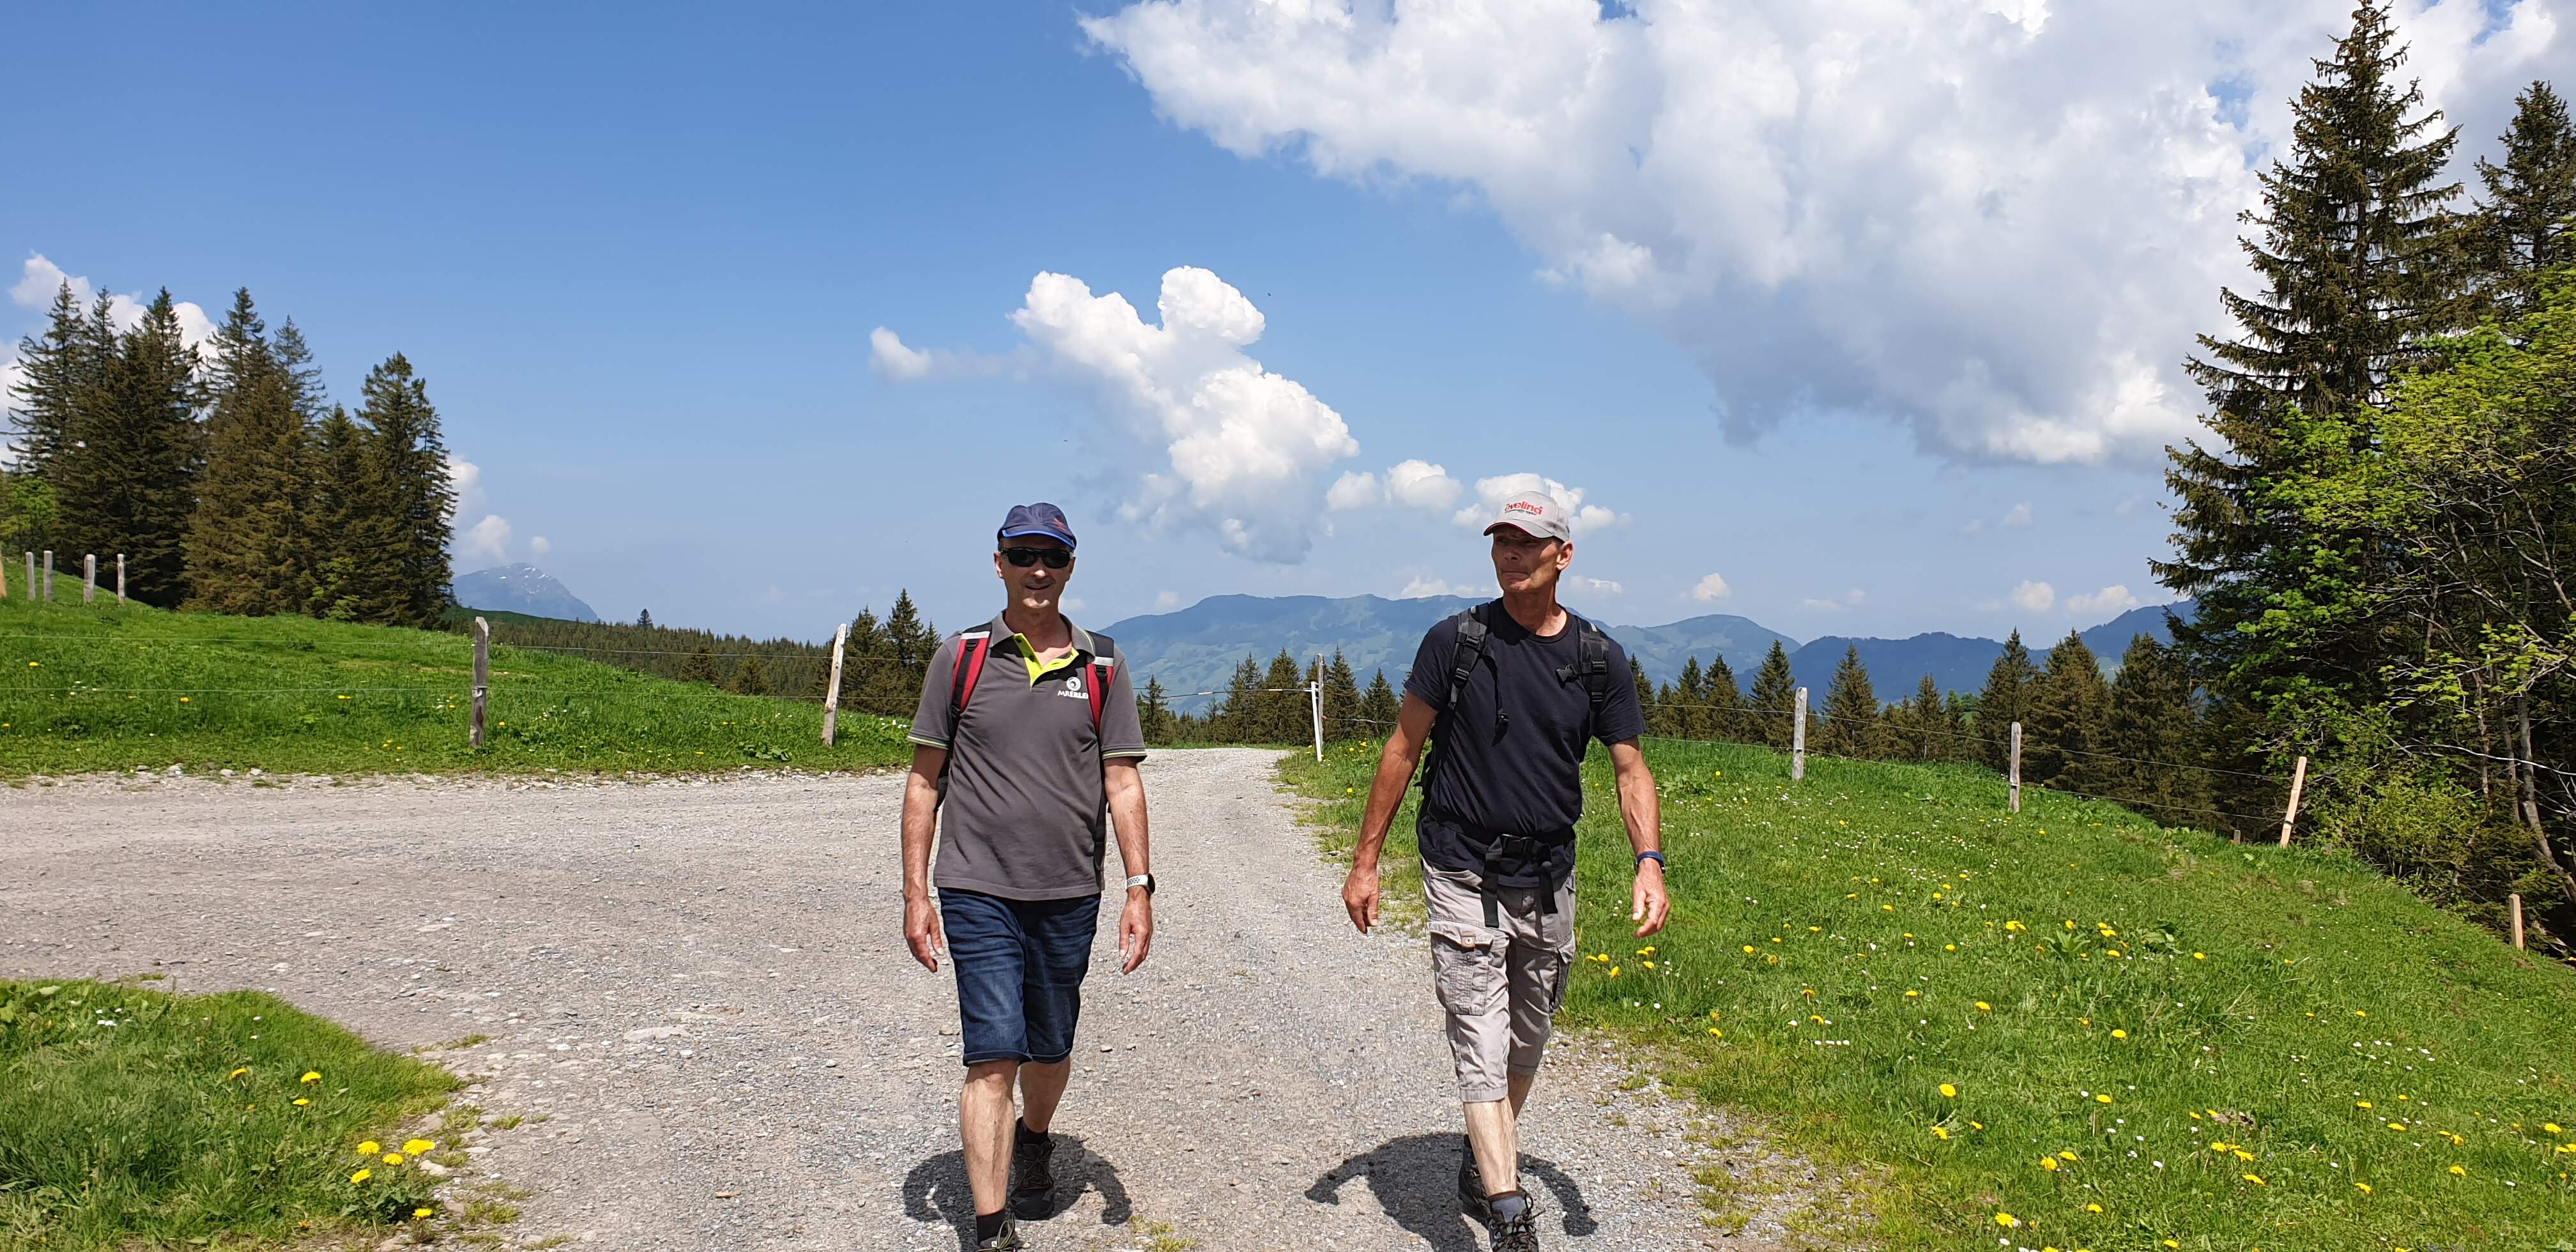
1517, 1232
1007, 1239
1471, 1183
1032, 1177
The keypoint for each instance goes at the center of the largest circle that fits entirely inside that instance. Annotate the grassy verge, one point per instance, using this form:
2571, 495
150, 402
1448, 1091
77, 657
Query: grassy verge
131, 1116
2217, 1047
106, 687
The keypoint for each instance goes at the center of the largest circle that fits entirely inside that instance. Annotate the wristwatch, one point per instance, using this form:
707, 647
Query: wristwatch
1143, 880
1658, 858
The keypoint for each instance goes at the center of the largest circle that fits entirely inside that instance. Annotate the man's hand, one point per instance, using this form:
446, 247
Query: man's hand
921, 930
1360, 896
1135, 930
1650, 906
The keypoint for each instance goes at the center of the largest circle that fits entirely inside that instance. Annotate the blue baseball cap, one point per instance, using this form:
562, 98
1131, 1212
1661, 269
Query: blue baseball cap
1036, 519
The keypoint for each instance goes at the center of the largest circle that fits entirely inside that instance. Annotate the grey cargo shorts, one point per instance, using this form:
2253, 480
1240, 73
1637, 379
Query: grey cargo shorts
1500, 985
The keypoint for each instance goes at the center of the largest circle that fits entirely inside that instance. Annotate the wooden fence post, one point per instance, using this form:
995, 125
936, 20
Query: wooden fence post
49, 575
2013, 778
120, 578
482, 676
32, 593
2298, 783
1798, 740
832, 691
4, 578
89, 577
2516, 897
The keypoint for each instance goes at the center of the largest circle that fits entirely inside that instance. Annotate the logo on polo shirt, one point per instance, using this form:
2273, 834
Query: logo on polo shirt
1525, 506
1073, 687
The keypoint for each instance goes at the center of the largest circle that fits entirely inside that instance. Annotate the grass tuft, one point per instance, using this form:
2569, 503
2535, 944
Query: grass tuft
2276, 1011
128, 1114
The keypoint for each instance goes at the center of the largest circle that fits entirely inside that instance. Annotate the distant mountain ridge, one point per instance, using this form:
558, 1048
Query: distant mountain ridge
1195, 649
520, 588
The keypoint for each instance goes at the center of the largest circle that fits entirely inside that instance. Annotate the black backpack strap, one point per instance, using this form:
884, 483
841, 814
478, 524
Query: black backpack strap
1103, 668
1591, 666
1463, 658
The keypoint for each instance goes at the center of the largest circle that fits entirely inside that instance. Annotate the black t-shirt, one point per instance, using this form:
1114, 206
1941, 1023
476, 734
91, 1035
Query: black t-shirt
1509, 759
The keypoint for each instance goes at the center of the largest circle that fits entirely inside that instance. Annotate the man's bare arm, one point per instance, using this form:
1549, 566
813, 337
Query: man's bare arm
921, 927
1126, 785
1643, 811
1395, 767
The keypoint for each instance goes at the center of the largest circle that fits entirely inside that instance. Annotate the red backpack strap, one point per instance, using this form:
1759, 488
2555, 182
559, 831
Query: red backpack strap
1098, 690
972, 648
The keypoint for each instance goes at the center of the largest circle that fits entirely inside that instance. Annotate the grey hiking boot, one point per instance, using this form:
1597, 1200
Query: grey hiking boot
1007, 1239
1032, 1177
1516, 1231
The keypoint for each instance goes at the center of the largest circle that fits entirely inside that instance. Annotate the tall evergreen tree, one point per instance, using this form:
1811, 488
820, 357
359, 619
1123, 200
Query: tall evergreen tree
1237, 717
1725, 702
1851, 726
644, 619
1927, 724
1342, 700
1775, 692
700, 667
2151, 738
2004, 701
127, 483
1690, 702
1281, 713
410, 502
748, 678
2524, 224
59, 372
1380, 707
2359, 261
335, 520
246, 539
2070, 708
1154, 713
1645, 692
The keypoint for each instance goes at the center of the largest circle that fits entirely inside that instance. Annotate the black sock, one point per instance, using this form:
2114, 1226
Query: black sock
988, 1225
1026, 1135
1508, 1204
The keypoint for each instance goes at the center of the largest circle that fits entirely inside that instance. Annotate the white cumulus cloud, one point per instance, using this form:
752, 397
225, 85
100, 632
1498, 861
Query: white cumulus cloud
487, 540
1355, 489
891, 359
39, 279
1422, 585
1603, 585
1165, 602
540, 546
2017, 518
2034, 597
1998, 222
465, 478
1415, 484
1581, 518
1711, 589
1235, 448
2111, 599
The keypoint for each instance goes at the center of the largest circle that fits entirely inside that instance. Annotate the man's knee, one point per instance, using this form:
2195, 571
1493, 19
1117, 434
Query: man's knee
992, 1074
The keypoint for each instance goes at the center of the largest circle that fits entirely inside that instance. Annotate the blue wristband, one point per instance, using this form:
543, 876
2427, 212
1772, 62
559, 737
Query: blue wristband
1657, 856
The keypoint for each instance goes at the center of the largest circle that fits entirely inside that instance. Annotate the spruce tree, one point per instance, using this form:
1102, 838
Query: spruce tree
1236, 718
700, 667
2151, 738
246, 539
1927, 723
1154, 713
1725, 702
1380, 707
2359, 261
2523, 225
1645, 692
644, 619
1282, 715
1690, 701
59, 371
1342, 700
869, 678
335, 519
2070, 709
1775, 695
1851, 713
127, 482
409, 501
911, 641
2005, 700
748, 679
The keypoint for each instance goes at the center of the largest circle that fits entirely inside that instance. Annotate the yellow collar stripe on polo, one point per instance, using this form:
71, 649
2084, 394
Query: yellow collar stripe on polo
1038, 668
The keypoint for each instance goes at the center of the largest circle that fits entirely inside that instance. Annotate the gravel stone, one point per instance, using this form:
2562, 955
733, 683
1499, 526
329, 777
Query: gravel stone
1270, 1079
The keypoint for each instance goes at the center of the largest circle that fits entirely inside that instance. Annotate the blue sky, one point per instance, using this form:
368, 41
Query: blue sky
639, 255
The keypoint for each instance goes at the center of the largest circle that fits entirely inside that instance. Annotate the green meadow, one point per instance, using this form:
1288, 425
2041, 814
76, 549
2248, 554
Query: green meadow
109, 687
2069, 1028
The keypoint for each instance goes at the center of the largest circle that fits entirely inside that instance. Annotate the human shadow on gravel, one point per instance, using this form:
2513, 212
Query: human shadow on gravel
936, 1189
1415, 1179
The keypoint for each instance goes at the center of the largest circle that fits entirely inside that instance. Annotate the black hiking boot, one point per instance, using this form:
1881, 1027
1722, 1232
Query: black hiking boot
1032, 1174
1516, 1231
1471, 1183
1007, 1239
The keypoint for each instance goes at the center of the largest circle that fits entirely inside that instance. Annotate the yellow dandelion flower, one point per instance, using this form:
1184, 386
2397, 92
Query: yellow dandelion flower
1949, 1092
420, 1212
1714, 1032
1647, 964
2397, 1125
1648, 950
2257, 1181
1748, 949
2460, 1171
370, 1148
2361, 1104
1976, 1125
2551, 1127
1939, 1133
1614, 971
1984, 1007
2092, 1208
393, 1158
311, 1076
1913, 995
238, 1073
2364, 1187
301, 1103
362, 1175
2245, 1156
2048, 1163
1949, 947
2200, 956
2068, 1155
2007, 1220
2104, 1098
418, 1146
2119, 1034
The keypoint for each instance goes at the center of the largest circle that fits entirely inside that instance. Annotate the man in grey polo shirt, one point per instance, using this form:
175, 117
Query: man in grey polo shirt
1026, 741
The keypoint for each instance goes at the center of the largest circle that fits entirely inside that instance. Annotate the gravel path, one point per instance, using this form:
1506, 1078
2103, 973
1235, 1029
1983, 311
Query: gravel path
702, 990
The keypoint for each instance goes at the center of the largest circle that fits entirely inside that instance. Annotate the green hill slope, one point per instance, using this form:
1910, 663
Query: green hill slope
2218, 1047
110, 687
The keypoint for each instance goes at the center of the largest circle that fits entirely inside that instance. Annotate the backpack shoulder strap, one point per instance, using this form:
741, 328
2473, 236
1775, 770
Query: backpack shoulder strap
1470, 648
1592, 650
1103, 668
972, 647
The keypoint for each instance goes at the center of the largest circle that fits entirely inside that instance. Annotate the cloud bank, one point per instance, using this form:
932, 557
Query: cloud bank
1998, 222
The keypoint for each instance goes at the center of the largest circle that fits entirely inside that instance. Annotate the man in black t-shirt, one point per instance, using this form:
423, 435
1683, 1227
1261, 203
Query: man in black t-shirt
1518, 689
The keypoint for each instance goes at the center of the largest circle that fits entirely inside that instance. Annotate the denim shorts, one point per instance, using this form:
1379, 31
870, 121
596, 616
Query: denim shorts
1019, 970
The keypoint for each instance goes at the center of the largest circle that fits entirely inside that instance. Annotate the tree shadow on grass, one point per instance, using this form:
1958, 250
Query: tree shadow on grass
1415, 1180
936, 1189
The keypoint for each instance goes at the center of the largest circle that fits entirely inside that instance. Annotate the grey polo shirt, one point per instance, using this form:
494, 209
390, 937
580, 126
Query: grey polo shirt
1026, 816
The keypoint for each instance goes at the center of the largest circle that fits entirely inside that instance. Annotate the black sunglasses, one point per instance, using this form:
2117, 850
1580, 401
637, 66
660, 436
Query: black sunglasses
1055, 558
